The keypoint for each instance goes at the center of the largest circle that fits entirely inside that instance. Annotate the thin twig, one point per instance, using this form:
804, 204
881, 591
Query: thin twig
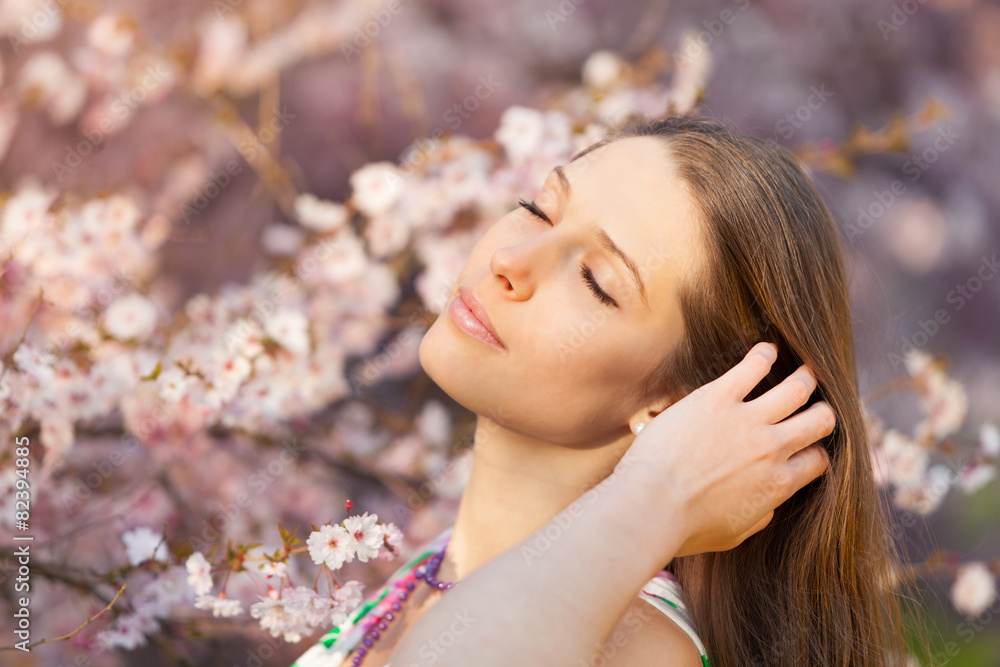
73, 634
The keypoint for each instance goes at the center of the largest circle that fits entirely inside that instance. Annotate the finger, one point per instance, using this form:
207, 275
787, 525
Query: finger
798, 431
805, 466
788, 396
756, 528
744, 376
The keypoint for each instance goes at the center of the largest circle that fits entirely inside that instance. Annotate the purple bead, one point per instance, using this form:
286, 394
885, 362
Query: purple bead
375, 634
382, 625
362, 650
402, 595
357, 660
420, 571
368, 642
410, 585
395, 606
389, 616
441, 585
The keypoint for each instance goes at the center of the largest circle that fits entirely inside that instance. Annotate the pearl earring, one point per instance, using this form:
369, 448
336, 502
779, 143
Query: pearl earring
638, 427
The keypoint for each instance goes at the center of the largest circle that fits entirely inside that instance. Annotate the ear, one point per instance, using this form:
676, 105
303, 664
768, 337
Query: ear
648, 413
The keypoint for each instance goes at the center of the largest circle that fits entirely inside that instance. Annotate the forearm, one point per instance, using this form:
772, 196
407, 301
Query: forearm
555, 597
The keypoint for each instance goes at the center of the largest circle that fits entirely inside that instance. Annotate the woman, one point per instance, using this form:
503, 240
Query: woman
648, 266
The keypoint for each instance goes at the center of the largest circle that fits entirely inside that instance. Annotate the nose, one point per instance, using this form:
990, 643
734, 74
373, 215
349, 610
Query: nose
519, 266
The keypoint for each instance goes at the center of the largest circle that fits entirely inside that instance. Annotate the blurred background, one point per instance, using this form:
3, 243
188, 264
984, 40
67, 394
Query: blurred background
237, 128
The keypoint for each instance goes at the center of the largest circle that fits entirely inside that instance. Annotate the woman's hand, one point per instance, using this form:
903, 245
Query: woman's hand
721, 465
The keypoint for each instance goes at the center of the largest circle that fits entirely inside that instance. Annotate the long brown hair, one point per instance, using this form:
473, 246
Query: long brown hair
813, 587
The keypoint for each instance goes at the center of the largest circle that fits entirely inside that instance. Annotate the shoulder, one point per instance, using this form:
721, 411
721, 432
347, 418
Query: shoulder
657, 629
646, 636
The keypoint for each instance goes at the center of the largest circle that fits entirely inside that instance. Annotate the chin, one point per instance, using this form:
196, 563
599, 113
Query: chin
449, 365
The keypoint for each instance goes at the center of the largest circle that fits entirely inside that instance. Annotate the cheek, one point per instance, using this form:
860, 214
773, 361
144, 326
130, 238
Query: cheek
585, 333
586, 348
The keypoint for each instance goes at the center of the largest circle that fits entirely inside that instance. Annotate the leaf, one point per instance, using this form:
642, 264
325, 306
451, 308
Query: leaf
155, 374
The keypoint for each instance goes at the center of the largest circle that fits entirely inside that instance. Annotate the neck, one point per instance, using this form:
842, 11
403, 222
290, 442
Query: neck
517, 484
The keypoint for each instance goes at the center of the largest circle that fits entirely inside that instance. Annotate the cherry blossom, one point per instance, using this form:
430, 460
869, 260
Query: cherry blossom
974, 589
199, 573
366, 533
318, 214
131, 317
375, 188
142, 544
220, 605
195, 389
332, 545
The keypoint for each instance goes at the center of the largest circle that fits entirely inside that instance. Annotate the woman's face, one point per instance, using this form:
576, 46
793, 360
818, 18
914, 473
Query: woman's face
571, 360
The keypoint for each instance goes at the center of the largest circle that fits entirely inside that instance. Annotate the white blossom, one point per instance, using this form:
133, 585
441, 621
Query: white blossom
47, 80
332, 545
376, 187
129, 631
319, 214
140, 544
974, 589
281, 240
132, 316
290, 329
602, 69
220, 606
366, 533
989, 441
199, 573
520, 132
281, 619
111, 34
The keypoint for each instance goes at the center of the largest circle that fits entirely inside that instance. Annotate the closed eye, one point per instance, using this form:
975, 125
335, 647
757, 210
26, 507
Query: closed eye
534, 210
585, 272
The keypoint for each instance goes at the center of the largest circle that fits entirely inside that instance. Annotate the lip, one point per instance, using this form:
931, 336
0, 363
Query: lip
469, 315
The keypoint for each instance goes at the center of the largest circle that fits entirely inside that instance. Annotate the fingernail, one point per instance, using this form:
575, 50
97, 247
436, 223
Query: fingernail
770, 351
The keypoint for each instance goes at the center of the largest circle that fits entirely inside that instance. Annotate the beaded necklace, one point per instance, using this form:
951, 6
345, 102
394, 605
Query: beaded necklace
387, 608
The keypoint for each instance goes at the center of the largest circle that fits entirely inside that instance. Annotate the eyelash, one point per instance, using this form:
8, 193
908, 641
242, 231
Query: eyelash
585, 272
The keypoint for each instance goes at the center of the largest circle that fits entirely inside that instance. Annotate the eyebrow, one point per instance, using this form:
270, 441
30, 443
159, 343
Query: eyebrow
607, 242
